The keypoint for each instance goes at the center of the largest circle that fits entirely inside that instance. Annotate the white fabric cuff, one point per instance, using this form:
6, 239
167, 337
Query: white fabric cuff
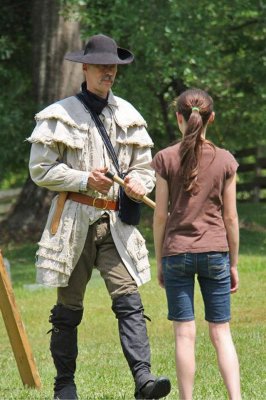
84, 182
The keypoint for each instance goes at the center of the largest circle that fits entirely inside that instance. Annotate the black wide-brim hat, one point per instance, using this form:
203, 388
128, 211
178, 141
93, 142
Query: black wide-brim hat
101, 49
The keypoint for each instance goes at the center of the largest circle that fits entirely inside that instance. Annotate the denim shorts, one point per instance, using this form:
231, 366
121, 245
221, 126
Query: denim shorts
213, 271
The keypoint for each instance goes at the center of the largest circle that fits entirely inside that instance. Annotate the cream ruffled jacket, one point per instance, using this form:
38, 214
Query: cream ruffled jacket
66, 146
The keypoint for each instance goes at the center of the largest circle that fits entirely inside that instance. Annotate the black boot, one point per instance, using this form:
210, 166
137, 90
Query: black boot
135, 344
64, 350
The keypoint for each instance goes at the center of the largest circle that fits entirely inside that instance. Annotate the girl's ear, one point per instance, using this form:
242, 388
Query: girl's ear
179, 117
84, 67
212, 118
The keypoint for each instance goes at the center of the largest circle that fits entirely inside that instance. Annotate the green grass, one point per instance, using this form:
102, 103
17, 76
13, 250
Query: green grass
102, 372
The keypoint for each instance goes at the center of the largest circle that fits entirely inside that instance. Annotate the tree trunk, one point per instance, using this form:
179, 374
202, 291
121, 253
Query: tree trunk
178, 87
53, 37
53, 79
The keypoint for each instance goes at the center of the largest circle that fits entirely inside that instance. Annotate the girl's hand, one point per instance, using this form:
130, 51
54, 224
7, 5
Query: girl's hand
234, 279
160, 276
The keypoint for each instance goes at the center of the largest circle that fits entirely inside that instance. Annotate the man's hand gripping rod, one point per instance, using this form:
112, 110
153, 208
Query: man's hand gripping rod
120, 181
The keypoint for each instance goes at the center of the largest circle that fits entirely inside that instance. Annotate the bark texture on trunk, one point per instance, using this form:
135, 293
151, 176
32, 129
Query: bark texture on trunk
53, 79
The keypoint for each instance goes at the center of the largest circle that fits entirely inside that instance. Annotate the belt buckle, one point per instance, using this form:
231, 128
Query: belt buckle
100, 198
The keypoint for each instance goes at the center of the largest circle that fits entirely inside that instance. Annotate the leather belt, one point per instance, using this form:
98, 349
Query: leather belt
97, 202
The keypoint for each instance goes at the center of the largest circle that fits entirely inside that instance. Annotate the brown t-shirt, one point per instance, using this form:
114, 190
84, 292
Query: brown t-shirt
195, 223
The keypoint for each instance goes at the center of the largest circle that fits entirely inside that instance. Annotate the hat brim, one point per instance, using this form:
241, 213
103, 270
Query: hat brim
123, 56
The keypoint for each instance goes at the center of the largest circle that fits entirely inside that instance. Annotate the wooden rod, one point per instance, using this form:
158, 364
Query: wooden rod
16, 331
120, 181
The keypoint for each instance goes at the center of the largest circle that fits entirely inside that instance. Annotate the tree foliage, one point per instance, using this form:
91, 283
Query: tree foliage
51, 78
217, 46
16, 105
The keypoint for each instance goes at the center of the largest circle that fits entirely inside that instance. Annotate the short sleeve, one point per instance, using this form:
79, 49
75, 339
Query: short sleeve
158, 164
231, 165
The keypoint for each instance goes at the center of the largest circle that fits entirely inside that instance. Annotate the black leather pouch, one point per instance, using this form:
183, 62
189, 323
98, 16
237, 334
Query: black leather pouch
129, 210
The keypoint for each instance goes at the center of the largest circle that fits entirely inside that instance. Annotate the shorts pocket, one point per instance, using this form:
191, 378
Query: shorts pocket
218, 265
177, 264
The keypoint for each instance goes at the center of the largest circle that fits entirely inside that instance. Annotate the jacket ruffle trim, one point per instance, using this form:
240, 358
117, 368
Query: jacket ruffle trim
126, 116
73, 113
54, 252
68, 122
51, 132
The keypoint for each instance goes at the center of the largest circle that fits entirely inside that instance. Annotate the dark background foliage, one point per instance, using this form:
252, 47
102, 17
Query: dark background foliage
218, 46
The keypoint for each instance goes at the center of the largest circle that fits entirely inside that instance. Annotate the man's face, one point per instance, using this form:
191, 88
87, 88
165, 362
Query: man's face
99, 78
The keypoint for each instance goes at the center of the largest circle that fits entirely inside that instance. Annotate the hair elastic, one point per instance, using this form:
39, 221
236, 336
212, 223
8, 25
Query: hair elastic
195, 109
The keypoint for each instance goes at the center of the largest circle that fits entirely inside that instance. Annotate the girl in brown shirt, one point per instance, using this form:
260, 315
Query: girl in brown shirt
196, 233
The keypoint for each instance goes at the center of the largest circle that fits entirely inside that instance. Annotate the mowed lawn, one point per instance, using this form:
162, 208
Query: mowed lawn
102, 372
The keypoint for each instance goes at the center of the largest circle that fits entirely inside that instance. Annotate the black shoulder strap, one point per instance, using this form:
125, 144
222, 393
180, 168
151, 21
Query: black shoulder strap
102, 131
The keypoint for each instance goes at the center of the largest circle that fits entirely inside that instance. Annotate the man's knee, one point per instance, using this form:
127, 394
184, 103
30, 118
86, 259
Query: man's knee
65, 318
126, 305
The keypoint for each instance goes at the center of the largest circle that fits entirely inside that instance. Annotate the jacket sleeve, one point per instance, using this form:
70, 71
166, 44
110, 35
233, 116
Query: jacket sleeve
47, 168
140, 167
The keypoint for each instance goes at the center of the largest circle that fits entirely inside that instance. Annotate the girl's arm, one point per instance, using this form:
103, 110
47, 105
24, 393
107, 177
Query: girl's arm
159, 222
230, 218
